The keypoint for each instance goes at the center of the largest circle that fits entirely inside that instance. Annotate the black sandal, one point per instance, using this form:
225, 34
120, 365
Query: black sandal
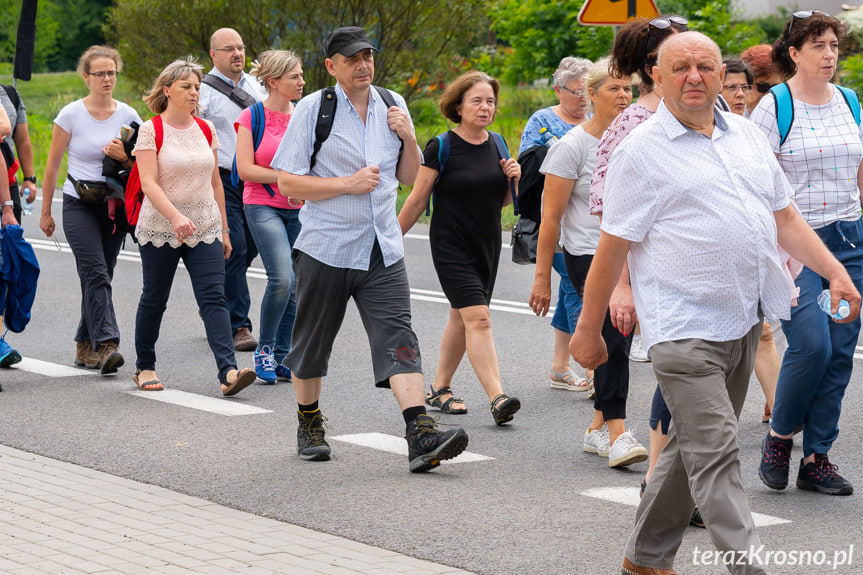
503, 408
433, 399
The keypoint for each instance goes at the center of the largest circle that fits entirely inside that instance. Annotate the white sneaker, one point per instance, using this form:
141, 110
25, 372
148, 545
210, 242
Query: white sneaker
626, 450
637, 351
596, 441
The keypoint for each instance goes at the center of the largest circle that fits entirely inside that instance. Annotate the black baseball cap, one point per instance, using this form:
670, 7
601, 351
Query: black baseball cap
347, 41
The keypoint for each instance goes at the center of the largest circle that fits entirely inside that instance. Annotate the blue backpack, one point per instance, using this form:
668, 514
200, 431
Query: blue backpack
785, 107
258, 125
443, 156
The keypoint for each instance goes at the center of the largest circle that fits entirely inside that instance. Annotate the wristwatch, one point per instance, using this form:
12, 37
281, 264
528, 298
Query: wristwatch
30, 179
9, 203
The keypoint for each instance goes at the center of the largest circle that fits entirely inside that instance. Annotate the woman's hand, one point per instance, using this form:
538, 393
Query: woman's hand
183, 226
511, 169
227, 248
46, 223
116, 151
540, 296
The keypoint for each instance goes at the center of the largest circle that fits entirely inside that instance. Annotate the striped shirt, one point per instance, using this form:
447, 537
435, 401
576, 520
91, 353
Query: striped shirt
341, 231
222, 112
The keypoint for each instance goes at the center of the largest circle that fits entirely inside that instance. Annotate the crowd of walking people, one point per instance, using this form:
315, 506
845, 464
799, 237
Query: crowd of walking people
760, 215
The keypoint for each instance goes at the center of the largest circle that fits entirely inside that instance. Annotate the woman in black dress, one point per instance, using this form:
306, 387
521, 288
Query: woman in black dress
465, 235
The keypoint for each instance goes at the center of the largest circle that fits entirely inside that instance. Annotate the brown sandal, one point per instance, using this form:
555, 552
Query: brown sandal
150, 385
503, 408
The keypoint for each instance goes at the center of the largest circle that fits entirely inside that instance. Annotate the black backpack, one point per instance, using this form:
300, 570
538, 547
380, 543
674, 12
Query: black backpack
327, 113
532, 182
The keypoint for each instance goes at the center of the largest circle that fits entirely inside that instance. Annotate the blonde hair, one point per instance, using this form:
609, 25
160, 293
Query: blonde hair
94, 52
155, 97
273, 64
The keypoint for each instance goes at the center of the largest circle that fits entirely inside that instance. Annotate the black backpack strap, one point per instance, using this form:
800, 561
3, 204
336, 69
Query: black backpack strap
236, 94
326, 114
15, 98
390, 102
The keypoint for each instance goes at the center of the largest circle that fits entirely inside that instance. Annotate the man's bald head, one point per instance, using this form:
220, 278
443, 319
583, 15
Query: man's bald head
690, 73
228, 53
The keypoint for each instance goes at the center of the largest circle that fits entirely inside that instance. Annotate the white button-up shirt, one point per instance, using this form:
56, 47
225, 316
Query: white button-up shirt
222, 112
699, 211
341, 231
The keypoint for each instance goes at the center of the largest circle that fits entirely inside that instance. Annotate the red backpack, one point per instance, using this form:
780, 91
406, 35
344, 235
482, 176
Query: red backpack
134, 193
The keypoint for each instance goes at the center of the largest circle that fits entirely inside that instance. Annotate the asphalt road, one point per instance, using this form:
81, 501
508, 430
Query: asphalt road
523, 508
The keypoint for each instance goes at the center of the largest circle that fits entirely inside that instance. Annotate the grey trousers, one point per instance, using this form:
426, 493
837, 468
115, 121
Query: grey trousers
704, 384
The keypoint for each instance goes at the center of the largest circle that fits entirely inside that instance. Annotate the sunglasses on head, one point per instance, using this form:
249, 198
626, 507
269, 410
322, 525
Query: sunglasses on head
764, 87
663, 23
803, 14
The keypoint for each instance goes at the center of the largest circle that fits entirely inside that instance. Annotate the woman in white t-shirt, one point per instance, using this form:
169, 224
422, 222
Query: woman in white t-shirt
566, 217
821, 156
88, 129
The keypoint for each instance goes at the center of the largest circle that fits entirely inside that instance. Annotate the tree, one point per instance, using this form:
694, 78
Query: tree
415, 38
542, 32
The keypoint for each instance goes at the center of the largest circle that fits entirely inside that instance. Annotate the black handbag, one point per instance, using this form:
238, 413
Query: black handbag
90, 192
525, 235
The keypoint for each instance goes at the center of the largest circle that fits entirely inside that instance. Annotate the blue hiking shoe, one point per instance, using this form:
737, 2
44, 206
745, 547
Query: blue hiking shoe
283, 372
8, 355
265, 365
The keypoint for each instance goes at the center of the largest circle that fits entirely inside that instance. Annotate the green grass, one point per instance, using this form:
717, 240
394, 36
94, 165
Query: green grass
46, 94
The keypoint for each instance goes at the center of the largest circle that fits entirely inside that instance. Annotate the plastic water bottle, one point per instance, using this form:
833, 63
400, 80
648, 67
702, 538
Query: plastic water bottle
824, 303
26, 207
547, 137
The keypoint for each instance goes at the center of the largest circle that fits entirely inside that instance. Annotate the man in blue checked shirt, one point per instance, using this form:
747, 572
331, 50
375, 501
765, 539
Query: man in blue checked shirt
351, 246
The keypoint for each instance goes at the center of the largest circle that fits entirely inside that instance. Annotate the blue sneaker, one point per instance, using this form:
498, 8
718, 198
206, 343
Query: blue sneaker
283, 372
265, 365
8, 355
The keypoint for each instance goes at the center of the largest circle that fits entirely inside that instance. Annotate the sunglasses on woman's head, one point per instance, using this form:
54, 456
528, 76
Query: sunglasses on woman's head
764, 87
803, 14
663, 23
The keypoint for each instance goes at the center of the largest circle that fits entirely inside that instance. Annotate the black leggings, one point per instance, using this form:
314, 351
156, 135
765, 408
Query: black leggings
611, 379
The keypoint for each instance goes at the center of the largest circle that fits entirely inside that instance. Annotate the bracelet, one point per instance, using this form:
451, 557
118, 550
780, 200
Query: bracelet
226, 231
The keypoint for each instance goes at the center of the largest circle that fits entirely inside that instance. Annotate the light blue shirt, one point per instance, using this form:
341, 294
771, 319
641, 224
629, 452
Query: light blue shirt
222, 112
341, 231
699, 211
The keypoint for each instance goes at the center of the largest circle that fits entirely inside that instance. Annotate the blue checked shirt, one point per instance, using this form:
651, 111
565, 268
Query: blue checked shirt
220, 110
341, 231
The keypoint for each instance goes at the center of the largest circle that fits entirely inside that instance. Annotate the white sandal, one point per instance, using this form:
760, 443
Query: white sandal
567, 380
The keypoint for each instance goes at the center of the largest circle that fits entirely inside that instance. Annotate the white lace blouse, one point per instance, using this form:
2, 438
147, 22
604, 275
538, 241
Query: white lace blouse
186, 165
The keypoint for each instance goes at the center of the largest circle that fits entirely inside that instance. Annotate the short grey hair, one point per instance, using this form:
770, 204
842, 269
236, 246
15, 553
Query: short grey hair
176, 70
571, 68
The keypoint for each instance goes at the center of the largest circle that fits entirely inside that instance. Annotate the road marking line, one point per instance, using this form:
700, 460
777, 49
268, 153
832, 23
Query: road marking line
629, 496
398, 445
49, 369
200, 402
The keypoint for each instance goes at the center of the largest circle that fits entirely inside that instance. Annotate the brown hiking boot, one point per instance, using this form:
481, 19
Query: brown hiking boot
85, 355
243, 340
109, 358
630, 568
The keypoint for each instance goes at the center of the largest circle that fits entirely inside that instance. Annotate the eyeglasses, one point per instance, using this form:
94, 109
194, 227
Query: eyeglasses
576, 93
745, 88
664, 23
230, 49
100, 75
802, 14
764, 87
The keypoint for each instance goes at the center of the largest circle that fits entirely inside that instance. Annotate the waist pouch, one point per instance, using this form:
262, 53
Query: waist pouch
90, 192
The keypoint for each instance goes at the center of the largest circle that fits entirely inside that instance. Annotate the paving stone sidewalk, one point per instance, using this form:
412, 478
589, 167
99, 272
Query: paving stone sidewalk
58, 518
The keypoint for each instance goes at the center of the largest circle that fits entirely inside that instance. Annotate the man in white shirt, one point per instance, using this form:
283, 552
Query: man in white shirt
229, 58
698, 201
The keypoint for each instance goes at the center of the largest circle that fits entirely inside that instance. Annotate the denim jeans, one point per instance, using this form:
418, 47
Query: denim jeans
275, 230
242, 253
817, 365
568, 306
206, 266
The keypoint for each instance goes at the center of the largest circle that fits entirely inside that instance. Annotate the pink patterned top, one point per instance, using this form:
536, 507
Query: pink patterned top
622, 125
275, 126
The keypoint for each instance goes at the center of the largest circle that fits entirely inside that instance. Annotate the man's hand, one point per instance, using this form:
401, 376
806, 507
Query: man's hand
364, 180
397, 120
29, 186
588, 349
843, 288
622, 309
